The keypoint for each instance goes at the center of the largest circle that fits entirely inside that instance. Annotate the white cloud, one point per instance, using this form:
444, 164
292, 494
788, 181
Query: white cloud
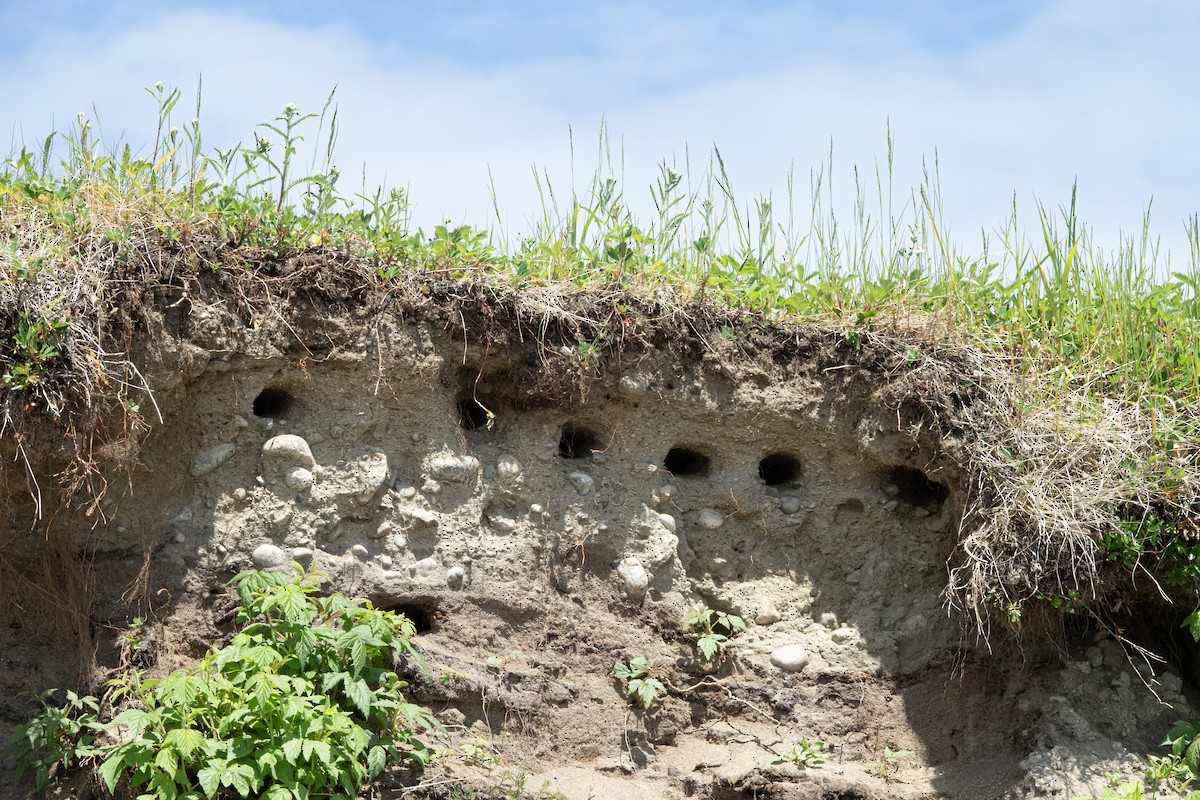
1094, 90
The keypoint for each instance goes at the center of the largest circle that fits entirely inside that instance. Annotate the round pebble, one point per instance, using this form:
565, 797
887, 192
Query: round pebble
710, 519
360, 552
289, 447
266, 556
634, 576
790, 657
508, 469
298, 478
302, 554
385, 527
667, 521
789, 505
455, 575
582, 482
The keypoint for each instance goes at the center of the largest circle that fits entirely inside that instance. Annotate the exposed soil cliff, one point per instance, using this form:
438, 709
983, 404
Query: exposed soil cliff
547, 483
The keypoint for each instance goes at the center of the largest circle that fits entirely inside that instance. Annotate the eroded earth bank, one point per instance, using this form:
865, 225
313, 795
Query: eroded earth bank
547, 483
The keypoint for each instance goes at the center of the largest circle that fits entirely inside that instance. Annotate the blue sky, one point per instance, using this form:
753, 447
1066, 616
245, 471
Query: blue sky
1017, 98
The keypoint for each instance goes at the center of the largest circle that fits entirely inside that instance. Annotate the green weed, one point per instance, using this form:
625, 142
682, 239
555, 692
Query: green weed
806, 754
302, 702
642, 682
713, 629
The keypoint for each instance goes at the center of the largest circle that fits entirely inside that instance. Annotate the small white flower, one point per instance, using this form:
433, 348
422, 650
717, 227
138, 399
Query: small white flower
159, 86
290, 108
174, 131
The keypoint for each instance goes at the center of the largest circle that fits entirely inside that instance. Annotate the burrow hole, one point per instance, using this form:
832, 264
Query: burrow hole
272, 403
683, 461
779, 469
421, 614
474, 416
914, 487
578, 442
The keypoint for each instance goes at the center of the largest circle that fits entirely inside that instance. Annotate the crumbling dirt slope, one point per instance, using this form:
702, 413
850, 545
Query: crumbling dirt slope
547, 483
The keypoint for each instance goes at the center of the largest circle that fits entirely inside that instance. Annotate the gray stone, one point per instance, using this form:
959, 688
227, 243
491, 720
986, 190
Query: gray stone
843, 635
456, 469
635, 577
710, 519
667, 521
302, 555
455, 576
288, 448
790, 657
266, 556
360, 552
210, 458
370, 472
582, 482
385, 527
508, 470
632, 387
426, 567
768, 614
789, 504
298, 478
828, 619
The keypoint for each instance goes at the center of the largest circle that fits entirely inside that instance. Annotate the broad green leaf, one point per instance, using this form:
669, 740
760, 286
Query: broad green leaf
167, 760
185, 740
110, 770
292, 749
1192, 623
360, 695
210, 777
376, 760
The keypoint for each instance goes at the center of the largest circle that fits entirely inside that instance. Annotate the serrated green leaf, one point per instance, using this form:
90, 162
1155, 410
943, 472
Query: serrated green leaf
292, 749
1192, 623
185, 740
110, 770
166, 760
376, 761
1191, 756
209, 778
360, 695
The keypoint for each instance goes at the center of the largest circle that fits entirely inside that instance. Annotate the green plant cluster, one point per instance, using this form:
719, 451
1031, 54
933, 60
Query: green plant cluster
304, 702
713, 629
643, 683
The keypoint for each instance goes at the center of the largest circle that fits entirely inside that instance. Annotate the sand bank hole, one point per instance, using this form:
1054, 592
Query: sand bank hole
422, 616
779, 469
686, 462
272, 403
474, 416
578, 442
915, 488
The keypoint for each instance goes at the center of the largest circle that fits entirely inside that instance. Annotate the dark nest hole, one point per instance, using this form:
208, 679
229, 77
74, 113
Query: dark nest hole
423, 615
779, 469
686, 462
474, 416
272, 403
915, 487
1159, 629
578, 442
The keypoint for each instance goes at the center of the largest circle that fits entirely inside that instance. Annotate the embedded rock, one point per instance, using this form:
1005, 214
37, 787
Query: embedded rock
209, 459
288, 448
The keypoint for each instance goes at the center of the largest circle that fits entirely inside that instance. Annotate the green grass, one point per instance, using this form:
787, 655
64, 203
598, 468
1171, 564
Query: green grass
1101, 344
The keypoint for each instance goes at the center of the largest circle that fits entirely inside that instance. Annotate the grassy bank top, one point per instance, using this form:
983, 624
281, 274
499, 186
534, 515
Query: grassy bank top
1097, 341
